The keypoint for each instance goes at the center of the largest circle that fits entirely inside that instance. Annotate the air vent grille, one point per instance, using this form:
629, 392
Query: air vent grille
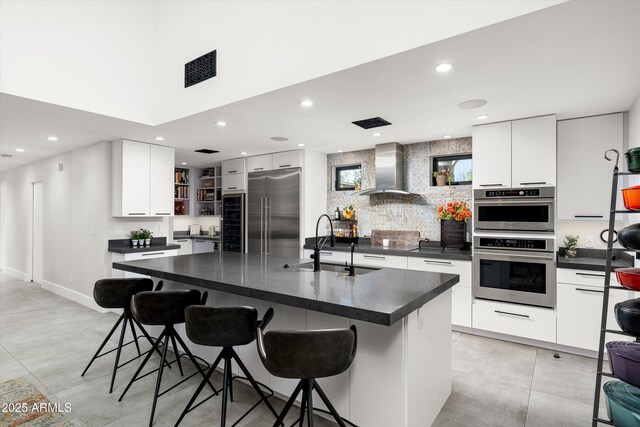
206, 151
374, 122
200, 69
6, 156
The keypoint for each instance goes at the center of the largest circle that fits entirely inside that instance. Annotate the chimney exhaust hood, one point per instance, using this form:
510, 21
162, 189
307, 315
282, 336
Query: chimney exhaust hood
389, 170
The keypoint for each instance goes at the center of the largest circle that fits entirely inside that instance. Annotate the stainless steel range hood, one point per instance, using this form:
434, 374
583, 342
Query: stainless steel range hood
389, 170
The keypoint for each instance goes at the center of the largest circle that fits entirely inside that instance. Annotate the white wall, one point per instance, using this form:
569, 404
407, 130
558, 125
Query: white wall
634, 123
77, 221
97, 56
314, 191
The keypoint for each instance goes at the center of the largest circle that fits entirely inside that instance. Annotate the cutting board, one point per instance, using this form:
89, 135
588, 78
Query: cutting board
408, 239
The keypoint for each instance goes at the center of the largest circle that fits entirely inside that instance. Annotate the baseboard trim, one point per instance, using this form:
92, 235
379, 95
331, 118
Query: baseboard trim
16, 273
72, 295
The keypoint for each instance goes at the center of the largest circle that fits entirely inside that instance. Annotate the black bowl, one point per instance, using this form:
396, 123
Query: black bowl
628, 316
629, 237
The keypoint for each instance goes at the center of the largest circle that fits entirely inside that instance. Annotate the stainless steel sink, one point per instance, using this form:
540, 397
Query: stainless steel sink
337, 268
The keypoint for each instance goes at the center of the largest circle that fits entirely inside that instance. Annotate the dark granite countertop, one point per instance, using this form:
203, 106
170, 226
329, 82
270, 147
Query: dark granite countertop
594, 259
123, 246
186, 235
382, 296
430, 250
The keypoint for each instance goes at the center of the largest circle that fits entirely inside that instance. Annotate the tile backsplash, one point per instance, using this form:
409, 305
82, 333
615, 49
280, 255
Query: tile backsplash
397, 212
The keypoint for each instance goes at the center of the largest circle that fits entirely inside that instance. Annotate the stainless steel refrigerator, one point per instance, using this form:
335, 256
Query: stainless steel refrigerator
233, 222
273, 220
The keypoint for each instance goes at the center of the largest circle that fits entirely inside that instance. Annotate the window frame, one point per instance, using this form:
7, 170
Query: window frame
336, 172
460, 156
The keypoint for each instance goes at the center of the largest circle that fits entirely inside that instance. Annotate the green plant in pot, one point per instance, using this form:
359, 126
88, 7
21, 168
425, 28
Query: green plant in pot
146, 235
135, 238
571, 245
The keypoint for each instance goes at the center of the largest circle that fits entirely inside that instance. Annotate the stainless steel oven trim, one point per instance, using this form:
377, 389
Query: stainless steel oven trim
549, 243
514, 226
542, 300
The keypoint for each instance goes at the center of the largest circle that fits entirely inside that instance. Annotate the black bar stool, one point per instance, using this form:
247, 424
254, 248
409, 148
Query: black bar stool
308, 355
165, 308
117, 293
225, 327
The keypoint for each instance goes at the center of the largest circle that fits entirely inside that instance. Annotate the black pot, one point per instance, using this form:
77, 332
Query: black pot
629, 237
628, 316
452, 234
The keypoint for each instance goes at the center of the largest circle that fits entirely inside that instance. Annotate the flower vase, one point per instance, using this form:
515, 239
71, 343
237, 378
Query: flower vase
441, 180
452, 234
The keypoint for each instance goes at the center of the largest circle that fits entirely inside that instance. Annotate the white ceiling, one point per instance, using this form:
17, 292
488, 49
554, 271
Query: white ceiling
575, 59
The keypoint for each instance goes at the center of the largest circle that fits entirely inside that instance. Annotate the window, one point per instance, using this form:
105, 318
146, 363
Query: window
460, 167
348, 178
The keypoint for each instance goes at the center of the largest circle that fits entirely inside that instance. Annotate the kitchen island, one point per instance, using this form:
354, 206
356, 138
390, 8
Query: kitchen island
402, 372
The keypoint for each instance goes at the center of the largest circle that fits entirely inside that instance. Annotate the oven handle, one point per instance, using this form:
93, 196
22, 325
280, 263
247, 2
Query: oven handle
547, 256
510, 314
495, 201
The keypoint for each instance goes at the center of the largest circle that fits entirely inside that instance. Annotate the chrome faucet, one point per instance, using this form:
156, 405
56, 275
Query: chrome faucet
316, 251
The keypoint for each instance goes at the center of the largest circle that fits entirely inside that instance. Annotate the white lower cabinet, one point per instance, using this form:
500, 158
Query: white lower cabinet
146, 255
186, 246
514, 319
461, 297
580, 306
328, 256
375, 260
203, 245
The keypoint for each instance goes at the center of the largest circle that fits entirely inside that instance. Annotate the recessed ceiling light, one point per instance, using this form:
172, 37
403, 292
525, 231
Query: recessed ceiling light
300, 145
340, 151
243, 153
306, 103
221, 124
159, 138
472, 103
20, 150
183, 163
279, 138
446, 136
52, 138
376, 134
444, 67
482, 117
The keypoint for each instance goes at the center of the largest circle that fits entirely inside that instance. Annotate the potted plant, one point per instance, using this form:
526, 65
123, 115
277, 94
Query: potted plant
146, 235
348, 213
442, 177
571, 245
135, 237
453, 224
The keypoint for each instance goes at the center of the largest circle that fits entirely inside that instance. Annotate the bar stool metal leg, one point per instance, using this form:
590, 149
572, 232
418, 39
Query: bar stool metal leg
106, 340
159, 380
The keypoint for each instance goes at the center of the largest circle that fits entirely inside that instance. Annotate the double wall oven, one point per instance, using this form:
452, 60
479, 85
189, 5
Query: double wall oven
514, 246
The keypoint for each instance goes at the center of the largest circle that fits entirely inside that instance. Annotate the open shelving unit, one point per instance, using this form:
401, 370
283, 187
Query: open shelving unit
604, 329
209, 191
181, 193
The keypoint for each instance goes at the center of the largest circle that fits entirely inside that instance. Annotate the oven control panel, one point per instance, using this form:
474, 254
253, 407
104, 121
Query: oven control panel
535, 244
513, 193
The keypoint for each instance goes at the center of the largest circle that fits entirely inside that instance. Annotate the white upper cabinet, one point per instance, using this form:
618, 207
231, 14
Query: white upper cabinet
161, 184
142, 179
584, 175
260, 163
287, 159
515, 154
533, 152
492, 155
233, 166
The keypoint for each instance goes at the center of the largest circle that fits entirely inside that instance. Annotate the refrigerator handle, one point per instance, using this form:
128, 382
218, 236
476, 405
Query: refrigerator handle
261, 225
268, 233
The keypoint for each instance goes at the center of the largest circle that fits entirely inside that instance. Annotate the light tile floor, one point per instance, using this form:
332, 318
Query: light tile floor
49, 339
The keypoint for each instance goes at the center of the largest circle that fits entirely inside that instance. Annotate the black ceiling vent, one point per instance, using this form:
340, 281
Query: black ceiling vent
6, 156
374, 122
200, 69
206, 151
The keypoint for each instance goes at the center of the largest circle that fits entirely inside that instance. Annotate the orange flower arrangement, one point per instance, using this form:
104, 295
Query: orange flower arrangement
454, 211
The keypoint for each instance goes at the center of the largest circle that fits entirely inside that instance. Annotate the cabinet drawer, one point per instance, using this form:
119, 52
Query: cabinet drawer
462, 268
513, 319
233, 166
579, 309
186, 246
287, 159
583, 277
461, 306
234, 183
147, 255
328, 256
260, 163
375, 260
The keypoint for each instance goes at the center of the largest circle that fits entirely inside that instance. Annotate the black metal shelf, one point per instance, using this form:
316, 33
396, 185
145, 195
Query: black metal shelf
607, 287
